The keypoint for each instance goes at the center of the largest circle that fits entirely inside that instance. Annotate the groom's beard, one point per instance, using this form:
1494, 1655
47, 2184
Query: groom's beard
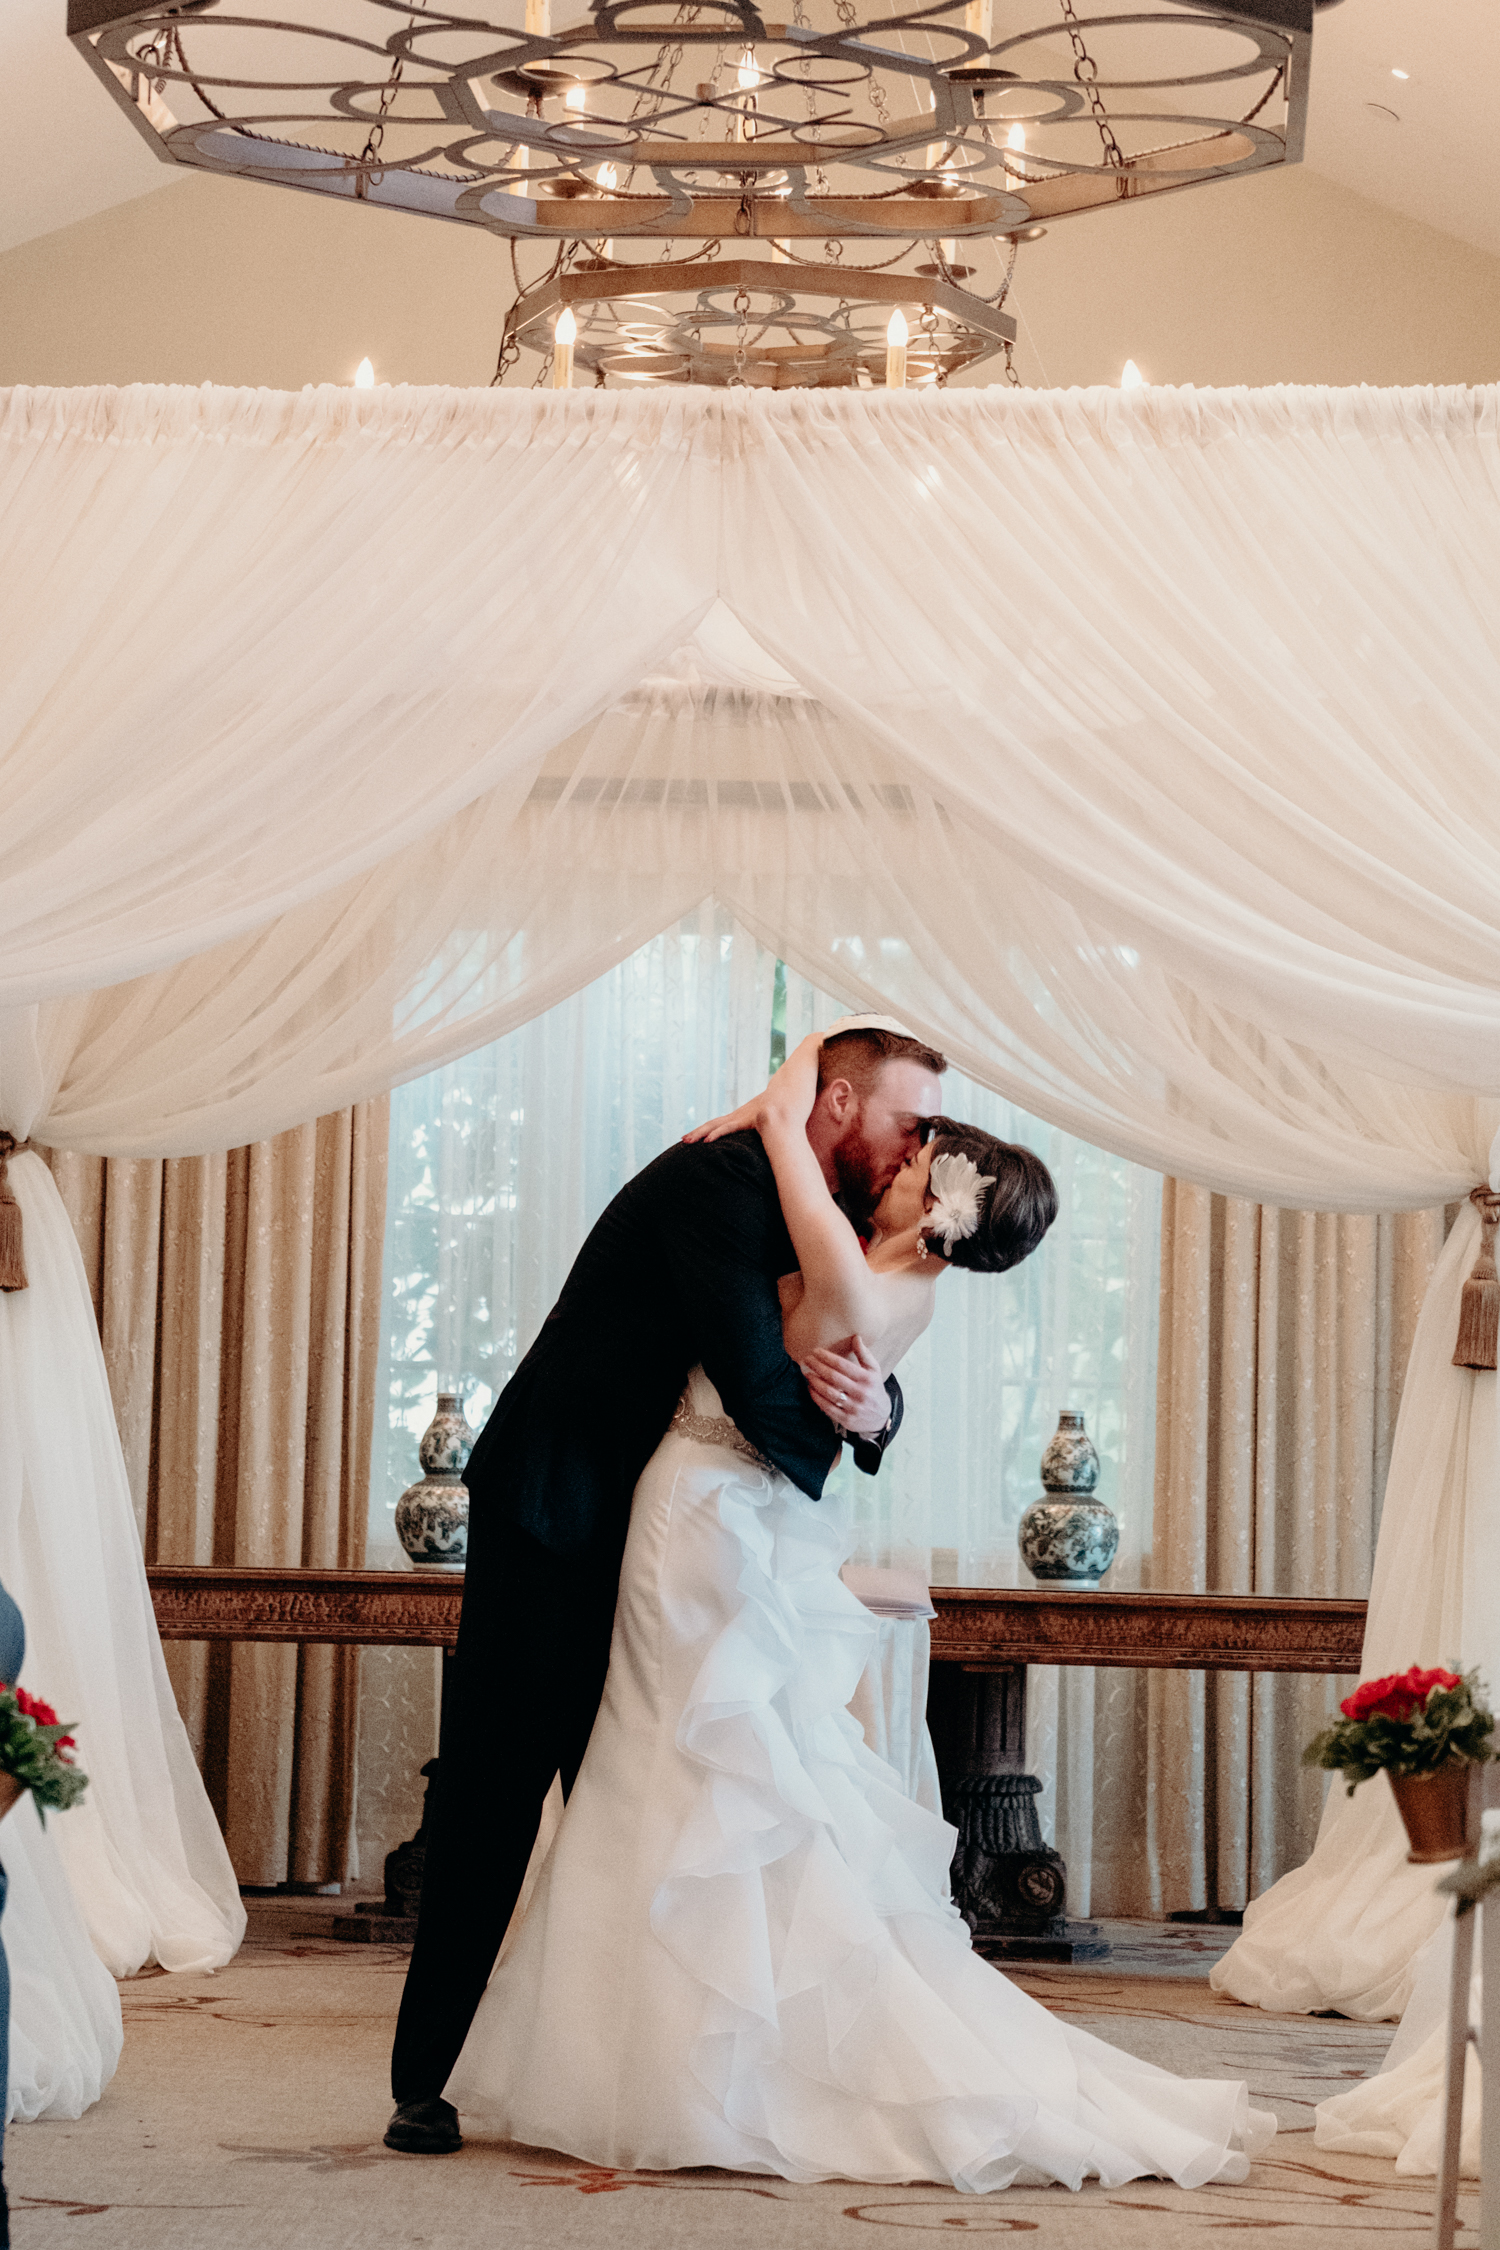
861, 1183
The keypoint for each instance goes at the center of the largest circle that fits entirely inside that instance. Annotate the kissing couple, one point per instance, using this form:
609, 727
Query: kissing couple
740, 1950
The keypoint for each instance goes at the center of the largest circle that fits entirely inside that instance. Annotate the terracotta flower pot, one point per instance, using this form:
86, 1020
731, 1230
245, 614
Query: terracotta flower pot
1435, 1808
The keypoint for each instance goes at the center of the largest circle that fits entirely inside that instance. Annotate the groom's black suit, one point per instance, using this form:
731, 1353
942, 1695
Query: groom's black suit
680, 1270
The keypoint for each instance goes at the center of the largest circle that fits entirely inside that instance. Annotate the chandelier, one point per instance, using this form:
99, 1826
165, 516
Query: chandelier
702, 195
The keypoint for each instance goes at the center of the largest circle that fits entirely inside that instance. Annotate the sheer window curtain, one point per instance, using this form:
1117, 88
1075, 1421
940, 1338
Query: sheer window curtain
501, 1162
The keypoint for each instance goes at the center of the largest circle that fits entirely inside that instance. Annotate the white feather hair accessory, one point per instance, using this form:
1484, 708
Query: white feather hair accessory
957, 1186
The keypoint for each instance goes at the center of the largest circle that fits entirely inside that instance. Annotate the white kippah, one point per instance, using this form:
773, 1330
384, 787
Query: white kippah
868, 1023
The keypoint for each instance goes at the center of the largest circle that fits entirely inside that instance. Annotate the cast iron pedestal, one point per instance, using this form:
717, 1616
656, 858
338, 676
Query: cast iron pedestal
392, 1920
1008, 1885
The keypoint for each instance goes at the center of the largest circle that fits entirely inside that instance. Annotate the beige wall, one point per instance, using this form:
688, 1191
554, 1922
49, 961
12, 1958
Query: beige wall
1286, 278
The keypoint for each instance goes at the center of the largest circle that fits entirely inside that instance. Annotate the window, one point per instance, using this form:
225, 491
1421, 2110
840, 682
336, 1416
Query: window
502, 1161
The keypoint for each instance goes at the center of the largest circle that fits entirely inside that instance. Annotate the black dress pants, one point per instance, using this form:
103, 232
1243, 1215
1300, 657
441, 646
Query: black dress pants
523, 1691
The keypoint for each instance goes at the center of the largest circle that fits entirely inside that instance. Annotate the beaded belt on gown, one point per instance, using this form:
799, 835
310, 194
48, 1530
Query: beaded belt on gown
715, 1429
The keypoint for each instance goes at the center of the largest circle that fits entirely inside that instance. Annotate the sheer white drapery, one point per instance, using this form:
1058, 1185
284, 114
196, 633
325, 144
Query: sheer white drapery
142, 1855
500, 1163
1344, 1930
1154, 725
1138, 750
143, 1849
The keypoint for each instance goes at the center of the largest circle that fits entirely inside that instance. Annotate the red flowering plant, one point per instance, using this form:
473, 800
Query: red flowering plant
1408, 1723
35, 1748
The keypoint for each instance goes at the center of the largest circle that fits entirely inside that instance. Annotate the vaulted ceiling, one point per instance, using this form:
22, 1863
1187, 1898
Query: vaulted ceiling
1420, 142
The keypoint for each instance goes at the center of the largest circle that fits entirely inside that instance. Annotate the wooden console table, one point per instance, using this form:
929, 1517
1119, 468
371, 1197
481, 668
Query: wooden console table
982, 1640
981, 1628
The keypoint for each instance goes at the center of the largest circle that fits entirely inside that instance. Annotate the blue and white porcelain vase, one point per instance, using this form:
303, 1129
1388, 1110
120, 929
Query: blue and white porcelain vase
1068, 1538
432, 1518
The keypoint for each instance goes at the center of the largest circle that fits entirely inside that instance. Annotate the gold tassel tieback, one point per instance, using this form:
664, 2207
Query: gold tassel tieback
12, 1262
1479, 1309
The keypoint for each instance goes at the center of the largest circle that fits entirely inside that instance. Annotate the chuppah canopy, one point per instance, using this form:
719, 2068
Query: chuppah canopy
1135, 747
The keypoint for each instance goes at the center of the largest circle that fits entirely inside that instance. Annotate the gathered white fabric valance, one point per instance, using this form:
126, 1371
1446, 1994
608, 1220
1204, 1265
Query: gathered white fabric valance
1136, 744
834, 855
1137, 748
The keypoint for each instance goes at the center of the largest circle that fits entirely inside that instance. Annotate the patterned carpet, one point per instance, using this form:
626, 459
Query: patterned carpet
248, 2110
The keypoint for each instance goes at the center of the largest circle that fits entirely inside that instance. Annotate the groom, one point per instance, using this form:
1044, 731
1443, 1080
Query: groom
680, 1270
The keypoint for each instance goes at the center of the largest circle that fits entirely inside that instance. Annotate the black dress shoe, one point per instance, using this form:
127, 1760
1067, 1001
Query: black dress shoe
427, 2128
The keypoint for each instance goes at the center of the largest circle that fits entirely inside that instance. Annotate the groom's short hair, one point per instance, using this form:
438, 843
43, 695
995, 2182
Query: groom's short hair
859, 1056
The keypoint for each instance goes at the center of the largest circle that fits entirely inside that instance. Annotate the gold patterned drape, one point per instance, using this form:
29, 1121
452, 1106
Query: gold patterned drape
1283, 1346
239, 1304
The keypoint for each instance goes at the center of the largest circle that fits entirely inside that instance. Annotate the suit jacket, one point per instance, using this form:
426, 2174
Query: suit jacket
681, 1269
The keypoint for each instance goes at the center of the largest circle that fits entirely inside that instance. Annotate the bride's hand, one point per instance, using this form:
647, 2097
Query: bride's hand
794, 1088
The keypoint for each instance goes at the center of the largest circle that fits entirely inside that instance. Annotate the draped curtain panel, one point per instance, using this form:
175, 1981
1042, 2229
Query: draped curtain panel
1284, 1342
1138, 749
238, 1299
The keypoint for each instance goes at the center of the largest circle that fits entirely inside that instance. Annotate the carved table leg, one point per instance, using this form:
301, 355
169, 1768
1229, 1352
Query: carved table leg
1008, 1885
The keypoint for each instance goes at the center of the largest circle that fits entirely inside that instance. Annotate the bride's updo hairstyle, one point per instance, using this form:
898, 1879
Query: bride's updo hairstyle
1014, 1213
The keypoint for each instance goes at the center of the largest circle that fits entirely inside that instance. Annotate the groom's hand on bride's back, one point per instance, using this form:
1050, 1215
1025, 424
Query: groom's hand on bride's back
846, 1384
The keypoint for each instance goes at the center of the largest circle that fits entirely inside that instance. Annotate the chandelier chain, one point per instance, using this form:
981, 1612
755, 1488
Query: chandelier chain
928, 326
883, 265
848, 16
1086, 71
369, 174
1010, 267
742, 337
661, 73
510, 353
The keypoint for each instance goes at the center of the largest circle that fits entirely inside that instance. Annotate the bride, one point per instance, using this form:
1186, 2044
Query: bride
741, 1951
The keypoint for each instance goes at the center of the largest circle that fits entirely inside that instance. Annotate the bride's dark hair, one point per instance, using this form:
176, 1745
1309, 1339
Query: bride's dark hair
1014, 1214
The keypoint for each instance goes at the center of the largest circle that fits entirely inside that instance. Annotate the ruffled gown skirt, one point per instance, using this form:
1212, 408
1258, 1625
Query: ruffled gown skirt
741, 1951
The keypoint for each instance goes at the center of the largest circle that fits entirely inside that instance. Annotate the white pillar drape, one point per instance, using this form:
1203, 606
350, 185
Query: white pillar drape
1344, 1930
1135, 748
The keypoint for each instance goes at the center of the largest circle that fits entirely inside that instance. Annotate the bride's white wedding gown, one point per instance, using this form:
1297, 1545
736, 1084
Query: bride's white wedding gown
740, 1951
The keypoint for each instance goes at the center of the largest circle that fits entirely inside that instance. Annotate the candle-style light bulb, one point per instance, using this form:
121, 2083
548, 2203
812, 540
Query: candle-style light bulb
577, 97
949, 245
896, 334
748, 75
564, 336
609, 180
1131, 378
1015, 148
364, 376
